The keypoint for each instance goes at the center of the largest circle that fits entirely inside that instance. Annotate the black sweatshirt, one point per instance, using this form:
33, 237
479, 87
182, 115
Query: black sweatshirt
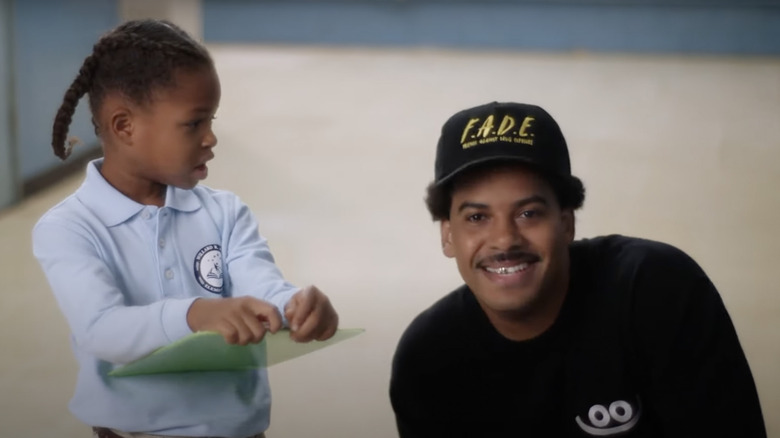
643, 347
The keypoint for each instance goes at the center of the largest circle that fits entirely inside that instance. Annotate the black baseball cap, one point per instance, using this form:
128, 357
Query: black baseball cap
501, 132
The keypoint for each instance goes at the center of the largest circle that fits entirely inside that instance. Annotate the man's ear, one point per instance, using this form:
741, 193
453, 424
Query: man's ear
567, 217
446, 239
120, 125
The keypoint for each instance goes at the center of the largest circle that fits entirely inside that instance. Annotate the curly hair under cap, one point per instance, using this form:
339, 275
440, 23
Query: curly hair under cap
135, 59
569, 190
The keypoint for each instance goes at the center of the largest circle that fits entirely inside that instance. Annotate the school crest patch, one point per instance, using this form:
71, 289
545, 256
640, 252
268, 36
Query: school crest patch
208, 268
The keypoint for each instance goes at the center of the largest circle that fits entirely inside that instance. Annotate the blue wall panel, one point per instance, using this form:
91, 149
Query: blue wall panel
10, 187
724, 27
51, 39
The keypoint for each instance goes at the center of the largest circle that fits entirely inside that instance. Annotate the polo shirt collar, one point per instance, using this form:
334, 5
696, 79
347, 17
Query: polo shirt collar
113, 208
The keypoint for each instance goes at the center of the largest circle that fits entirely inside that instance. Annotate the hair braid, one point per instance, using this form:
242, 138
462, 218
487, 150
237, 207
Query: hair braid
77, 89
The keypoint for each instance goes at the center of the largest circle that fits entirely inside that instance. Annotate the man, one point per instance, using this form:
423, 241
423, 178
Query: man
555, 338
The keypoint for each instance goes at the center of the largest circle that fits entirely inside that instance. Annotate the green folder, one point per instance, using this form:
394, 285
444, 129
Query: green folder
208, 351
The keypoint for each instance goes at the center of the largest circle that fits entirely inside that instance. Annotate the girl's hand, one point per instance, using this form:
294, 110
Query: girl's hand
311, 316
240, 320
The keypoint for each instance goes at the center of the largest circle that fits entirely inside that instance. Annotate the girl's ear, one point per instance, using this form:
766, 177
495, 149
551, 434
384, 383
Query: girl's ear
120, 125
116, 120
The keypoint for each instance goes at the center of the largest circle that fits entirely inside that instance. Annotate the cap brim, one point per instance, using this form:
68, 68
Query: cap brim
496, 158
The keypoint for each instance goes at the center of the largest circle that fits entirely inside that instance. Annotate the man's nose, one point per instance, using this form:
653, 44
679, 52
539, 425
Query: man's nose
505, 234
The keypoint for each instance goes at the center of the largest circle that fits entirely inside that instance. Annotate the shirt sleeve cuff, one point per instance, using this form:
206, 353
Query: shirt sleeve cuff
174, 318
281, 300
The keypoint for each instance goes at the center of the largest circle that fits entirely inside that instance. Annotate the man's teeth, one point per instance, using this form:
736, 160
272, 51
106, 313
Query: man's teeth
504, 270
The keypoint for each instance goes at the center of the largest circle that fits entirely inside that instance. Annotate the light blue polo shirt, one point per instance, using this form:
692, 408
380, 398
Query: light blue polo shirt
125, 274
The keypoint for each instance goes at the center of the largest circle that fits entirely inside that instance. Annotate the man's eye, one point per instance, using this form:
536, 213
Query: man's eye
529, 214
476, 217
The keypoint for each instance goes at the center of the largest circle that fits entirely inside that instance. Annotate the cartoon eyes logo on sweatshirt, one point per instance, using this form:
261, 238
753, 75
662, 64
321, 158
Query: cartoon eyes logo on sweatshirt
621, 416
208, 268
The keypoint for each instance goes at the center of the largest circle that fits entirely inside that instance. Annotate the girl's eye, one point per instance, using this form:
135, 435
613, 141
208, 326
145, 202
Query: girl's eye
196, 123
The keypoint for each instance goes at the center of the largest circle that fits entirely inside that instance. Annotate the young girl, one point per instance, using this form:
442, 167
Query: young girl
140, 256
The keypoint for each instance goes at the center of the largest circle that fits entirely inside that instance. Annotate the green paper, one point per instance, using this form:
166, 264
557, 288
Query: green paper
208, 351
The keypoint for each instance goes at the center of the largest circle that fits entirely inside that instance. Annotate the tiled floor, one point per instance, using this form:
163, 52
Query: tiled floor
332, 148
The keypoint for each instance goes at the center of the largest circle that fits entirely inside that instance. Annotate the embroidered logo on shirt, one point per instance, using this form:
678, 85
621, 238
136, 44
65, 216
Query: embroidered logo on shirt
621, 416
208, 268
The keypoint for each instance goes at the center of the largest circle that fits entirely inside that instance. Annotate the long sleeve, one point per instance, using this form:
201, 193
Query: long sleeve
90, 298
251, 264
422, 405
427, 389
698, 382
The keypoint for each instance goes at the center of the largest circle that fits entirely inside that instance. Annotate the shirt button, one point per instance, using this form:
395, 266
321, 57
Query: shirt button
146, 214
162, 243
169, 274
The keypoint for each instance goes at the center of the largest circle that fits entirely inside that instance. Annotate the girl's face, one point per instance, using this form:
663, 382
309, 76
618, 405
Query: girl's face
172, 136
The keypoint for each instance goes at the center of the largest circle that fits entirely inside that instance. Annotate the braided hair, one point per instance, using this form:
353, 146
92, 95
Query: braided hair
135, 59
